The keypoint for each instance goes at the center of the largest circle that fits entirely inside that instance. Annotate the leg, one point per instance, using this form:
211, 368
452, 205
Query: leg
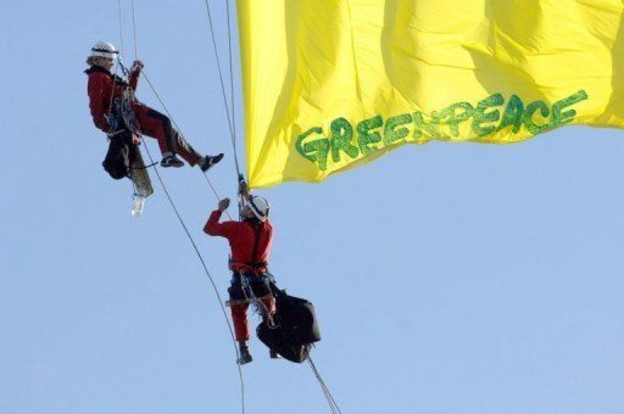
241, 329
239, 312
239, 318
157, 125
185, 149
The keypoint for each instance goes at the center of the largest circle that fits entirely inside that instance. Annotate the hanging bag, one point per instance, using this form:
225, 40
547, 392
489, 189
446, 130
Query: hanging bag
120, 155
296, 327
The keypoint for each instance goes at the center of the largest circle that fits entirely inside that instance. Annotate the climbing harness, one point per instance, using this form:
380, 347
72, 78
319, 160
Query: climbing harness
258, 302
249, 273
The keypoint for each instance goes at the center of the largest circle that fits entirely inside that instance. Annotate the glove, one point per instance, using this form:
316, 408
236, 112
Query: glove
137, 66
223, 204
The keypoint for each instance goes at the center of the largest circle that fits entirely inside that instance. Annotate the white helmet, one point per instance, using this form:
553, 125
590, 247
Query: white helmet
104, 49
260, 207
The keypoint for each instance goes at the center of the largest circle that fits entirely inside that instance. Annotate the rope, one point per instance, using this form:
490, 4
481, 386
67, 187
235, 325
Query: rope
330, 399
230, 55
146, 167
241, 199
214, 191
177, 213
333, 405
121, 33
121, 43
134, 29
162, 103
222, 82
264, 311
206, 271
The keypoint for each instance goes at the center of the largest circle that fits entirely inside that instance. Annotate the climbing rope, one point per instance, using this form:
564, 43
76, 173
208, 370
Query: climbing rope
176, 211
231, 123
134, 31
262, 309
121, 25
230, 119
206, 271
230, 55
333, 405
162, 103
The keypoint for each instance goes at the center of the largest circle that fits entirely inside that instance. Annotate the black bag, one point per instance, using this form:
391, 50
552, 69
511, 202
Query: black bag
296, 328
120, 156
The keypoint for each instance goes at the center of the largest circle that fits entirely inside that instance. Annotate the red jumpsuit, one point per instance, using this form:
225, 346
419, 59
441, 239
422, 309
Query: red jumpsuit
103, 88
250, 241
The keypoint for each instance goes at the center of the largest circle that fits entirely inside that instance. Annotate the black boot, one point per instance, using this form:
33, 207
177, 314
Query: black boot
245, 356
171, 161
208, 161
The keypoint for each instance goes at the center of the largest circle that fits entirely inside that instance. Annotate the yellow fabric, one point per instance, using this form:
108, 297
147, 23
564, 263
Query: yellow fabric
330, 84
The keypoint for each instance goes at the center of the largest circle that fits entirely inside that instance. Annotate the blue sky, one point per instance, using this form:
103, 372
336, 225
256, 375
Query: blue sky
447, 278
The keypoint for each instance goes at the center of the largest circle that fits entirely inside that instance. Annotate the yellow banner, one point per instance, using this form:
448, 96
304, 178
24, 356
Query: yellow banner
331, 84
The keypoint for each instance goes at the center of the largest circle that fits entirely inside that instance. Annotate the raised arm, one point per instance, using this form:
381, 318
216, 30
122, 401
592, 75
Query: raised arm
214, 228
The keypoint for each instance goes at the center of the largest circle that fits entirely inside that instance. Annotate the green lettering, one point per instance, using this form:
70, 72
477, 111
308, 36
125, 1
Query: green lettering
342, 132
561, 118
514, 112
529, 123
455, 114
394, 131
537, 117
316, 150
366, 138
480, 116
420, 126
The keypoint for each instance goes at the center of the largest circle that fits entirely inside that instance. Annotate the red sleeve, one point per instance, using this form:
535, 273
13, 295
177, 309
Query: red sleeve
214, 228
265, 253
134, 79
97, 89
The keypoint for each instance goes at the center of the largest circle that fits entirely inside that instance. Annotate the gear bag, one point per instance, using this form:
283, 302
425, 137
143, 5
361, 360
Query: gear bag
296, 328
122, 152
